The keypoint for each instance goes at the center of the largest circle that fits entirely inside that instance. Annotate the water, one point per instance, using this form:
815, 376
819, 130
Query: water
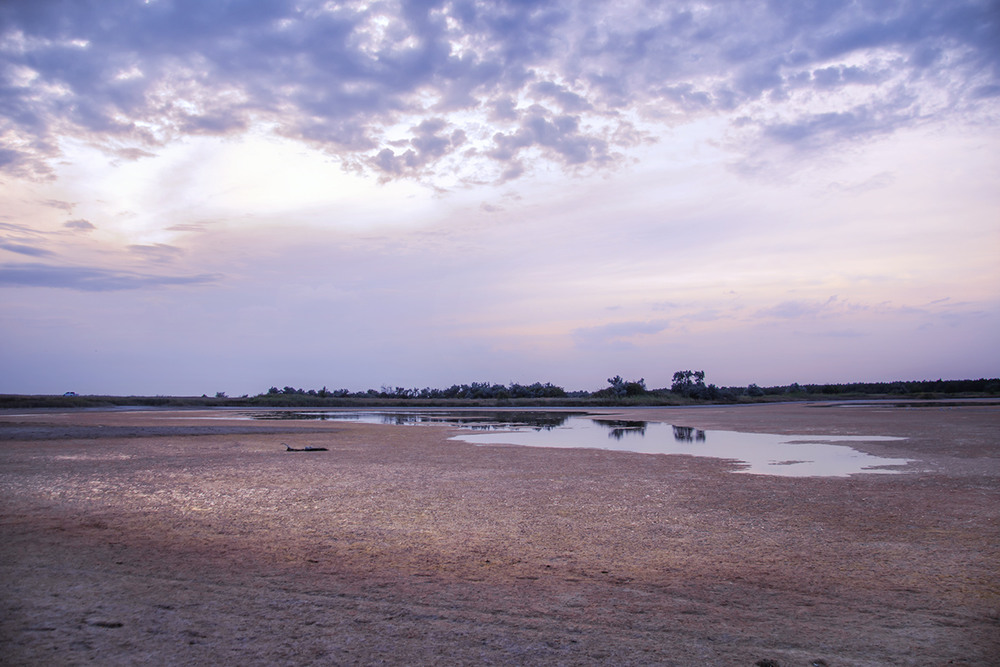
753, 453
473, 419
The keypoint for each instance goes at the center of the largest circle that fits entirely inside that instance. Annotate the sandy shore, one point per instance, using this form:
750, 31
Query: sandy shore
161, 538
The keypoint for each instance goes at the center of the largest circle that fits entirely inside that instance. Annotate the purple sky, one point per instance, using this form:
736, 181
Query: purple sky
224, 196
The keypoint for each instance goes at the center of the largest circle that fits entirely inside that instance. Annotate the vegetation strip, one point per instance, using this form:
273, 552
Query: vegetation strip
688, 387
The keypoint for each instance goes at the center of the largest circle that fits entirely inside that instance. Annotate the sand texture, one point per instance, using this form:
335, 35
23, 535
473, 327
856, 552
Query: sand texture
157, 537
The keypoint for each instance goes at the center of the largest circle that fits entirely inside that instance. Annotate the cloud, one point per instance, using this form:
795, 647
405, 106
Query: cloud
836, 307
25, 249
801, 309
89, 279
23, 230
790, 310
817, 130
482, 86
431, 140
157, 252
195, 226
132, 154
558, 136
81, 224
617, 334
62, 205
877, 182
566, 99
985, 92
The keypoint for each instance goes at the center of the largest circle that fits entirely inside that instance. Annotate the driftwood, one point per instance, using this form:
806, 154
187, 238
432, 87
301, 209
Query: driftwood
305, 449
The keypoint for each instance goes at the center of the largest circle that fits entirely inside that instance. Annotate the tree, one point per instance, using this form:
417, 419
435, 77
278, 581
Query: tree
617, 386
620, 387
689, 383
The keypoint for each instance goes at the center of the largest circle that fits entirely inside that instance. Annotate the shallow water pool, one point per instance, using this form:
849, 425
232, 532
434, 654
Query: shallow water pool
754, 453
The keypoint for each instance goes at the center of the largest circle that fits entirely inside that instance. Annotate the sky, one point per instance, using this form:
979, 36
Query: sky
203, 196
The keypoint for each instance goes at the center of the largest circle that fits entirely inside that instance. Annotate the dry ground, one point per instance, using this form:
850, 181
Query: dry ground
153, 537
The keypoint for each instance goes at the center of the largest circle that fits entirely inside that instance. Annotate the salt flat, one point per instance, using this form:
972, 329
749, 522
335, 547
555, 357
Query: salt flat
163, 537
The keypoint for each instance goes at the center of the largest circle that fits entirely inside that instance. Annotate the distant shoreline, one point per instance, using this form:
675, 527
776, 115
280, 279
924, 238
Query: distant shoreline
27, 401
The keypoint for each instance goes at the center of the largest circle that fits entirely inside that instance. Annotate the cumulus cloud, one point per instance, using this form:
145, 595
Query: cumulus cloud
431, 140
483, 86
558, 136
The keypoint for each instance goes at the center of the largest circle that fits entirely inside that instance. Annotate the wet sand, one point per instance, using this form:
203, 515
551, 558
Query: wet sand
155, 537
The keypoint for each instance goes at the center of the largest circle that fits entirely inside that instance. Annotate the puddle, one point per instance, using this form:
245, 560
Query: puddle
755, 453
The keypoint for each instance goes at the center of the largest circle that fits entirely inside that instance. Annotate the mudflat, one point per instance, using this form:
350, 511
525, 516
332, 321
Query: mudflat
161, 537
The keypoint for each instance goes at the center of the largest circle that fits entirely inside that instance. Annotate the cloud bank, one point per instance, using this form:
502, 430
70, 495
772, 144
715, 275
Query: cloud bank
463, 91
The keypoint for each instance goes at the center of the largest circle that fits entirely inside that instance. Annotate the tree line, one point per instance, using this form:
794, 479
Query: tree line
687, 387
686, 384
476, 390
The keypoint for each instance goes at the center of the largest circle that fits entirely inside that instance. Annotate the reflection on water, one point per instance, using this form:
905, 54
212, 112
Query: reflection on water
688, 434
753, 453
619, 428
475, 420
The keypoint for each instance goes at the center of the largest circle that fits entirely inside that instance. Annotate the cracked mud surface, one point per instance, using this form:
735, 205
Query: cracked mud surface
159, 538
